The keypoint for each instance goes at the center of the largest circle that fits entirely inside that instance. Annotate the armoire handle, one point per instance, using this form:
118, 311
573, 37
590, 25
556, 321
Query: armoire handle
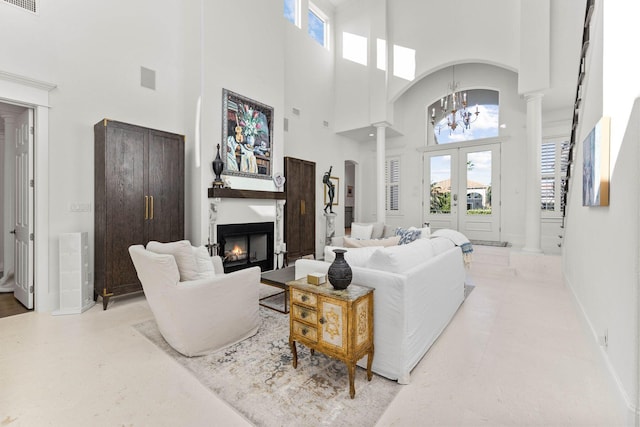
303, 207
146, 207
151, 217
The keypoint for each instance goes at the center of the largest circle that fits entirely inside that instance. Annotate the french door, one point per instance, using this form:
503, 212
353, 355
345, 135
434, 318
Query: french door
462, 191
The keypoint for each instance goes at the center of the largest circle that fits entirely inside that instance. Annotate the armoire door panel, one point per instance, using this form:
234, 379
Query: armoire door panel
166, 187
125, 201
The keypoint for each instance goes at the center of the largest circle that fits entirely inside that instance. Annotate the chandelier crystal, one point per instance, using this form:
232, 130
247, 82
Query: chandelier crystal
453, 107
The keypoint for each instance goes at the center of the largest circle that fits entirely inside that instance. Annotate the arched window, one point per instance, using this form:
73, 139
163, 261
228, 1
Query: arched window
483, 125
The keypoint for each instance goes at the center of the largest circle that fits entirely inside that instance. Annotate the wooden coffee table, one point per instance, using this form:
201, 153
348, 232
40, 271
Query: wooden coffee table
279, 279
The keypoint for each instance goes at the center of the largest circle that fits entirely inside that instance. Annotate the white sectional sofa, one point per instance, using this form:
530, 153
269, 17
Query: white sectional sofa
418, 288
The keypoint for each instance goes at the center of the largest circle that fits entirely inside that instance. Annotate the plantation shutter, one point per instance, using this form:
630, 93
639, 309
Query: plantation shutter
392, 187
553, 170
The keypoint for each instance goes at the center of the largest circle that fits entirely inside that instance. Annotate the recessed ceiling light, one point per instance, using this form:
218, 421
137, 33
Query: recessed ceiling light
370, 134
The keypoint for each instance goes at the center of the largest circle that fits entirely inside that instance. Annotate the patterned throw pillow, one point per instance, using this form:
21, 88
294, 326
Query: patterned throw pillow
407, 236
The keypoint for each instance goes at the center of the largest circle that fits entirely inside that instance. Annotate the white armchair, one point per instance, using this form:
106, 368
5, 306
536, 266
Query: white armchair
202, 315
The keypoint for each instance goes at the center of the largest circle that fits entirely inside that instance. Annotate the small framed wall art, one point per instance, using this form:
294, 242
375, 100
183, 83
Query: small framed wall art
595, 165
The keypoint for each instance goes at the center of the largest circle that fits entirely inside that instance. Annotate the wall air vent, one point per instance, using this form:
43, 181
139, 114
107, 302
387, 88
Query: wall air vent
30, 5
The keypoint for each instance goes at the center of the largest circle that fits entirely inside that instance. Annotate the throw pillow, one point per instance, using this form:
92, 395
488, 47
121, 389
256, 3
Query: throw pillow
355, 243
378, 230
360, 231
425, 232
183, 254
407, 235
203, 261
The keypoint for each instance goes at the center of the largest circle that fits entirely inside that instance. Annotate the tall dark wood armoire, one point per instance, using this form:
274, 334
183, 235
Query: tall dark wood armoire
139, 196
300, 209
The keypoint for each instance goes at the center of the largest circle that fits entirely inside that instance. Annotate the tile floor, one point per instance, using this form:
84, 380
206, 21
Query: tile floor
515, 354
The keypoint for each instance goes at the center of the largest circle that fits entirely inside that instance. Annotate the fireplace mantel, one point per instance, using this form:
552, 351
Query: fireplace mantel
231, 193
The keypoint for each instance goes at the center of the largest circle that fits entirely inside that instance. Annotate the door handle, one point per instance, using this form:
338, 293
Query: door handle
151, 216
13, 231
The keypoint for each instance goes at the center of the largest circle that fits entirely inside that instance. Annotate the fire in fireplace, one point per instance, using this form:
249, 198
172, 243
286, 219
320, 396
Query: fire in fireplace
246, 245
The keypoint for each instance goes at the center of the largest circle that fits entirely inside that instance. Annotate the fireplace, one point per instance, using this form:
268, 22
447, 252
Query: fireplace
246, 245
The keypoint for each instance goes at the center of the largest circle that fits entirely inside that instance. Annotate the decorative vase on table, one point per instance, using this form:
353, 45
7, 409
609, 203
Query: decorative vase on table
339, 273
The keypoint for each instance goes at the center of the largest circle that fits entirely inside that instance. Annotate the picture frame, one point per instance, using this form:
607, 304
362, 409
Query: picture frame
336, 182
247, 136
595, 165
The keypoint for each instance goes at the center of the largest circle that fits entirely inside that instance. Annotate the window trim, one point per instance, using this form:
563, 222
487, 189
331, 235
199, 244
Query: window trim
325, 19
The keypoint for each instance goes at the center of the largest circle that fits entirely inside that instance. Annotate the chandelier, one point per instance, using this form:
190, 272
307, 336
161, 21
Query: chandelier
453, 107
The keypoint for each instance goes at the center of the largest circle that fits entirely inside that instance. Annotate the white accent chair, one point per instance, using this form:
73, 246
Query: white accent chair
208, 312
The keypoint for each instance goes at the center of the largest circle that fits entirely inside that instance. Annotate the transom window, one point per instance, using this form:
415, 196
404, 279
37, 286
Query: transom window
485, 101
292, 11
318, 25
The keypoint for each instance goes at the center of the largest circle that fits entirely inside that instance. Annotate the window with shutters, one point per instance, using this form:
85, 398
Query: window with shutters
553, 173
392, 185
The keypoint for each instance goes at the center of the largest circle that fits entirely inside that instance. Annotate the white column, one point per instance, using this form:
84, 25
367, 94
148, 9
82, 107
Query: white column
532, 187
380, 159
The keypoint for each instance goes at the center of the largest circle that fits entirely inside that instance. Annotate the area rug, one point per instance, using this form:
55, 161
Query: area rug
256, 378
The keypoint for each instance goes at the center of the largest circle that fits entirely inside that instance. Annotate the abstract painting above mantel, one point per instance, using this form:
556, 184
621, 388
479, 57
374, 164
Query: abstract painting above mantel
595, 166
247, 136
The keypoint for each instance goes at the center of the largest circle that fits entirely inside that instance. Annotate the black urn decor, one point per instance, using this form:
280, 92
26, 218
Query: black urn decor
339, 273
218, 166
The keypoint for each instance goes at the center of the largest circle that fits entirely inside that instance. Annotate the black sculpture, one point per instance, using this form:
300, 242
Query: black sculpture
331, 189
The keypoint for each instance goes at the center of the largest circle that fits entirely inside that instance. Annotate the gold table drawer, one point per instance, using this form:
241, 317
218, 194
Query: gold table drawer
305, 314
306, 298
306, 331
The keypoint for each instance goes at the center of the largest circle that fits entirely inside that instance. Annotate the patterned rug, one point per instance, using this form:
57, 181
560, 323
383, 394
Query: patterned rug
256, 378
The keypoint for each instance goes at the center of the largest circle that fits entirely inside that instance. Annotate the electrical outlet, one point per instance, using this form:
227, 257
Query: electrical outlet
80, 207
603, 339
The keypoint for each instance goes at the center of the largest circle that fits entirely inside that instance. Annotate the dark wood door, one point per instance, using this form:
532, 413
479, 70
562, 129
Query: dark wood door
165, 187
300, 227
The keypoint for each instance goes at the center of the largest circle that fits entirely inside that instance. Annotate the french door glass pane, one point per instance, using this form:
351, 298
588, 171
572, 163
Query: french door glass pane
479, 183
440, 180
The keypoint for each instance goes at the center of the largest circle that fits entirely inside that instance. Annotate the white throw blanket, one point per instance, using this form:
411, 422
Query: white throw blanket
458, 239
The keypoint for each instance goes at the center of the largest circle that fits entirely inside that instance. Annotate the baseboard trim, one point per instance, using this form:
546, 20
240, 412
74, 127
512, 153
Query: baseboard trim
628, 407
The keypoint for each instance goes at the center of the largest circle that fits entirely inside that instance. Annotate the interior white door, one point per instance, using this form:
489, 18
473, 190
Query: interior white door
463, 191
23, 205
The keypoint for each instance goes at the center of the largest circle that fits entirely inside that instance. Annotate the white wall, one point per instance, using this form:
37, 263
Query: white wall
93, 53
310, 88
601, 254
